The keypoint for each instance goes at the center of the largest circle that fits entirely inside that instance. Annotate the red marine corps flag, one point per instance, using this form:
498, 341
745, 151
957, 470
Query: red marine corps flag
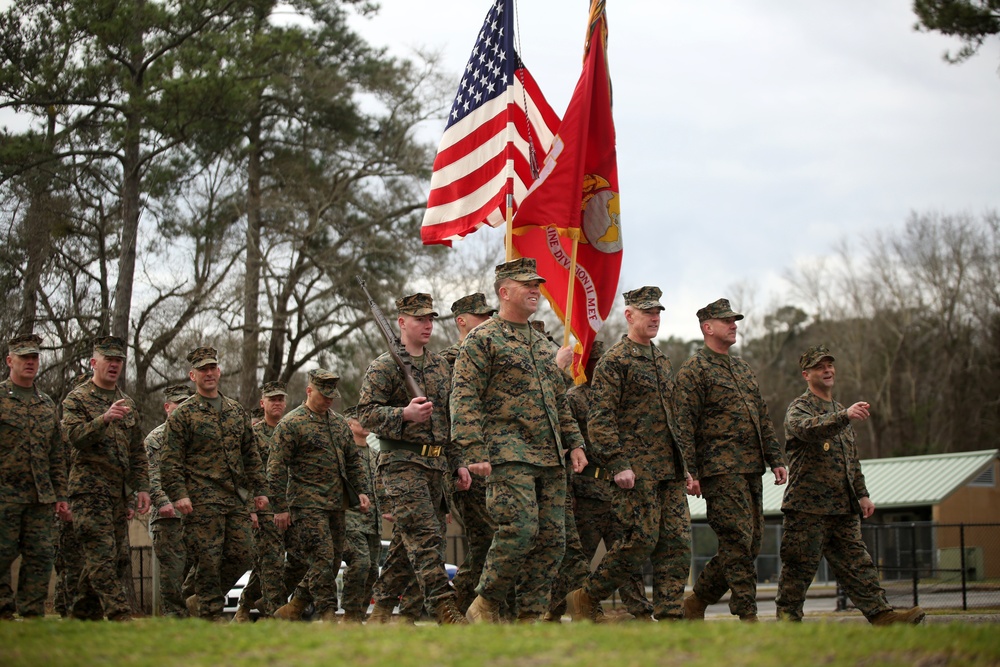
570, 219
498, 123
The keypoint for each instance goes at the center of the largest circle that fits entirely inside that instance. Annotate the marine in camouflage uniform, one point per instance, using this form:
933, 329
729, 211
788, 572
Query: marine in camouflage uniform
720, 414
826, 499
69, 559
313, 468
416, 452
165, 524
266, 590
210, 466
363, 544
469, 312
32, 481
593, 513
510, 414
109, 463
575, 564
630, 432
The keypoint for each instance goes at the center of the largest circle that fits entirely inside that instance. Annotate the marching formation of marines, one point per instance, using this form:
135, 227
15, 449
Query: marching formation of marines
538, 472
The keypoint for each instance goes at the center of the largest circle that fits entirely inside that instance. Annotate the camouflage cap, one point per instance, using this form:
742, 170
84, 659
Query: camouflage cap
203, 356
474, 304
110, 346
814, 355
644, 298
25, 344
269, 389
325, 382
596, 350
521, 270
177, 393
718, 310
417, 305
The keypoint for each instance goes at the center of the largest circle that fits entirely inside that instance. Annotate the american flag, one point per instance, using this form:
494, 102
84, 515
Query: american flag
499, 117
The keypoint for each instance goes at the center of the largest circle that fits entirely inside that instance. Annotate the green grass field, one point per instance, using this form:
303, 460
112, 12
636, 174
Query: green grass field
162, 643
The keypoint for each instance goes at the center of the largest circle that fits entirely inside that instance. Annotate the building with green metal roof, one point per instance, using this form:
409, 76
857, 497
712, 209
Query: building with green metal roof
936, 506
914, 484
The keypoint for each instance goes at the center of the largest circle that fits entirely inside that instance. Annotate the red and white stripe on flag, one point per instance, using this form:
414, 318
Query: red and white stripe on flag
499, 115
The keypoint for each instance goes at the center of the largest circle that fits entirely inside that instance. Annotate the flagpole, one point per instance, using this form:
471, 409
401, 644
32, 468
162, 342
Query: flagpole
569, 294
509, 241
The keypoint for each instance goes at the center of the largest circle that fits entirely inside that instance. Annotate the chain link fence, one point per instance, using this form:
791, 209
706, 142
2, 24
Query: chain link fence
935, 565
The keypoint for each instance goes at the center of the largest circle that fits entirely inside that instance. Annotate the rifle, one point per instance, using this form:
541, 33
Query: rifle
396, 349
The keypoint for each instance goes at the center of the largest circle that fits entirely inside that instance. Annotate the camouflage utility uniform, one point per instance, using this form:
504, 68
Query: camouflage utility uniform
211, 457
363, 545
470, 506
32, 480
594, 515
69, 558
822, 514
629, 427
509, 407
413, 461
312, 457
168, 533
721, 415
450, 353
109, 463
268, 583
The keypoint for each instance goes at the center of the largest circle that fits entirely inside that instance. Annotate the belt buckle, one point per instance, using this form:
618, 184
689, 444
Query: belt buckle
431, 450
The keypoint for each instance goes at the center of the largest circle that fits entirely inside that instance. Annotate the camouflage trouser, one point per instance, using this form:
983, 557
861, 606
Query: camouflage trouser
479, 529
174, 561
575, 564
361, 553
416, 501
219, 538
805, 539
736, 514
296, 565
101, 528
397, 583
26, 530
69, 564
655, 525
320, 535
596, 521
528, 504
267, 582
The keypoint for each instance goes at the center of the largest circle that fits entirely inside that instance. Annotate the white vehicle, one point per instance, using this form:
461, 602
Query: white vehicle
233, 596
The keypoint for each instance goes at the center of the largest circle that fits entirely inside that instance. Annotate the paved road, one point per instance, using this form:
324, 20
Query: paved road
822, 603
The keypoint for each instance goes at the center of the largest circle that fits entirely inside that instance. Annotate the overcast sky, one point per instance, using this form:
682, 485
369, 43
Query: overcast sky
753, 134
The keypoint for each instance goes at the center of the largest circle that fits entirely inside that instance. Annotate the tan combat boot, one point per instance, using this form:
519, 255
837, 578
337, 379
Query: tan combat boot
291, 611
447, 613
381, 614
694, 608
193, 606
242, 615
584, 607
890, 617
483, 611
749, 618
